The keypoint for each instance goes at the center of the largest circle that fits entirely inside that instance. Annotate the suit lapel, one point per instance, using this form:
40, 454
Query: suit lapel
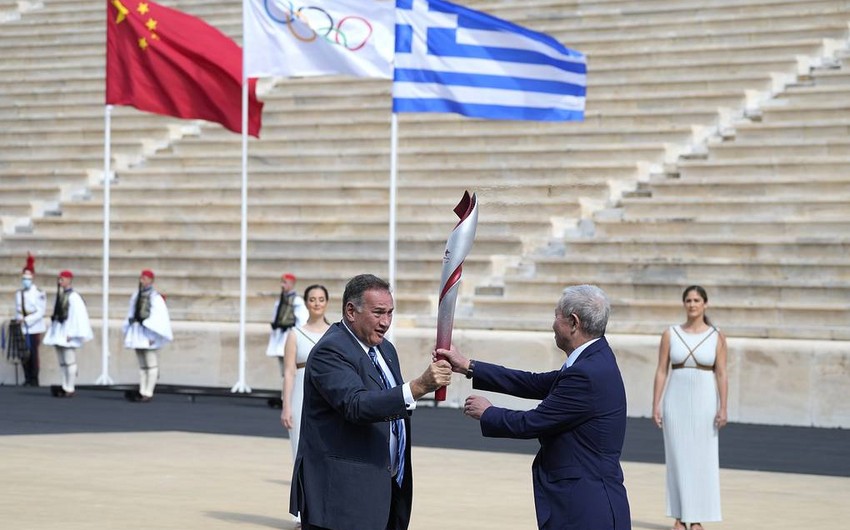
354, 351
391, 358
386, 350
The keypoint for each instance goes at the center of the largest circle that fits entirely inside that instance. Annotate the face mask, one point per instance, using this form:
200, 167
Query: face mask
26, 283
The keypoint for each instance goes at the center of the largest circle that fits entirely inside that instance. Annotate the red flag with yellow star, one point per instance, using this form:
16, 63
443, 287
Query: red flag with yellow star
163, 61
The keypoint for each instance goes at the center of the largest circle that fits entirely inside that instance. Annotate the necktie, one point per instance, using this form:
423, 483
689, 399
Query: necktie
397, 426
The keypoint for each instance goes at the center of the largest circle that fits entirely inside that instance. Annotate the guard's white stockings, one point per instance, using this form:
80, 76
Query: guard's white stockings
68, 366
148, 371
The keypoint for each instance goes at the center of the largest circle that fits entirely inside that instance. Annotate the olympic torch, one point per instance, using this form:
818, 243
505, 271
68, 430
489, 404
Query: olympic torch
457, 248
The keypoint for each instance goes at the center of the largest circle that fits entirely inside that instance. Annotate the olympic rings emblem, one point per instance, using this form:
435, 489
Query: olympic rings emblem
351, 32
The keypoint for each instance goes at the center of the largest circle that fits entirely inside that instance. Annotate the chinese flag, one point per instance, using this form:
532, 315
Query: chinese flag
163, 61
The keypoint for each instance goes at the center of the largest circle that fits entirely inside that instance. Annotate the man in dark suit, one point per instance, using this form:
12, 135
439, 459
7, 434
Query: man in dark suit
353, 469
580, 422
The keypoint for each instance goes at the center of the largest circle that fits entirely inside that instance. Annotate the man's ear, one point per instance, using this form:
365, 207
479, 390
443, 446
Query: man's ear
576, 321
349, 311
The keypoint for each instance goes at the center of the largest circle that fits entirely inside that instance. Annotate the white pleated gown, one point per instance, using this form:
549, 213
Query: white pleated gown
304, 340
690, 437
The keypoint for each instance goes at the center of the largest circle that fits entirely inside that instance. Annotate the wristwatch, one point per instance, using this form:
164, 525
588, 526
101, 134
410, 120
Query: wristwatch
470, 369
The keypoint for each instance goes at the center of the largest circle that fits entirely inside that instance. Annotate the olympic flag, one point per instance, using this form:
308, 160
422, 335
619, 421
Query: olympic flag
453, 59
304, 38
457, 248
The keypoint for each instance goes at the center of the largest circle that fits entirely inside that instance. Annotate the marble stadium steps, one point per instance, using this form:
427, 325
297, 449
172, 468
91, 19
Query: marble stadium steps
650, 22
79, 82
644, 317
792, 20
676, 56
585, 28
215, 297
835, 77
24, 148
691, 248
613, 11
683, 272
16, 208
532, 213
801, 320
797, 276
827, 128
301, 189
780, 148
749, 168
484, 176
736, 209
592, 43
799, 187
43, 176
658, 118
379, 164
376, 134
13, 193
124, 131
728, 290
221, 306
468, 154
592, 15
283, 244
773, 229
781, 111
188, 282
579, 179
87, 122
145, 227
225, 263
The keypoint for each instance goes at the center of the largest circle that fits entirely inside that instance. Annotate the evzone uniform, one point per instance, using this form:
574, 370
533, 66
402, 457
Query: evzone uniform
277, 338
146, 330
69, 329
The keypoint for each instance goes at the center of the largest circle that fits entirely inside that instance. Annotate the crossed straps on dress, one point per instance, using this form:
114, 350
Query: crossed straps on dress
308, 337
397, 425
691, 351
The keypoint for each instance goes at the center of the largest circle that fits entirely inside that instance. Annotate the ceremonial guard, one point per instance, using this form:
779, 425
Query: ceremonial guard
289, 311
146, 330
30, 308
69, 329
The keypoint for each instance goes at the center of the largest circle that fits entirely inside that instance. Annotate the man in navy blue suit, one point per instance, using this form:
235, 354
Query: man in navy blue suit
580, 421
353, 469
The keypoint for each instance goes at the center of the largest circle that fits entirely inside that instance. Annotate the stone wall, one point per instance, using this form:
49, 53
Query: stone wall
779, 382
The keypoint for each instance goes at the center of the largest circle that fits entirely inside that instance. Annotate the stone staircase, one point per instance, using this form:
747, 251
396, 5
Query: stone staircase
610, 200
760, 219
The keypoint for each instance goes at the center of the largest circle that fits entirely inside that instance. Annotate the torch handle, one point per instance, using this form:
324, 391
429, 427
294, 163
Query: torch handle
440, 393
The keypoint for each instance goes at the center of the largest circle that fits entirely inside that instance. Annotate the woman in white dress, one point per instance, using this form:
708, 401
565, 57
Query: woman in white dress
297, 349
691, 411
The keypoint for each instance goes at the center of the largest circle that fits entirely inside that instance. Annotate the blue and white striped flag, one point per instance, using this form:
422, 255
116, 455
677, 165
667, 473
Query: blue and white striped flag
452, 59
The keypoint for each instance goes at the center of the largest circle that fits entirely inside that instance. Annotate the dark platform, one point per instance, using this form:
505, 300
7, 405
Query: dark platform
27, 410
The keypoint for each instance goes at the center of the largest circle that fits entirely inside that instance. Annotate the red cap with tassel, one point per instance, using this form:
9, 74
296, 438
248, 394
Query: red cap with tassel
30, 267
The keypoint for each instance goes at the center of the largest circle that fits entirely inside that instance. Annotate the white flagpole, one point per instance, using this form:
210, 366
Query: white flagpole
393, 185
241, 386
104, 378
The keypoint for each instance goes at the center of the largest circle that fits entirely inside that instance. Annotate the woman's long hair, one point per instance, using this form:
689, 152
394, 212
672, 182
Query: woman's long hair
700, 291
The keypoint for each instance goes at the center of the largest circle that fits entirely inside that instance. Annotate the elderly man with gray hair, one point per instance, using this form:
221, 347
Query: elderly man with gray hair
580, 421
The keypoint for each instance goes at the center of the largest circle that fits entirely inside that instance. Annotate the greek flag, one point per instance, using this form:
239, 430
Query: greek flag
452, 59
